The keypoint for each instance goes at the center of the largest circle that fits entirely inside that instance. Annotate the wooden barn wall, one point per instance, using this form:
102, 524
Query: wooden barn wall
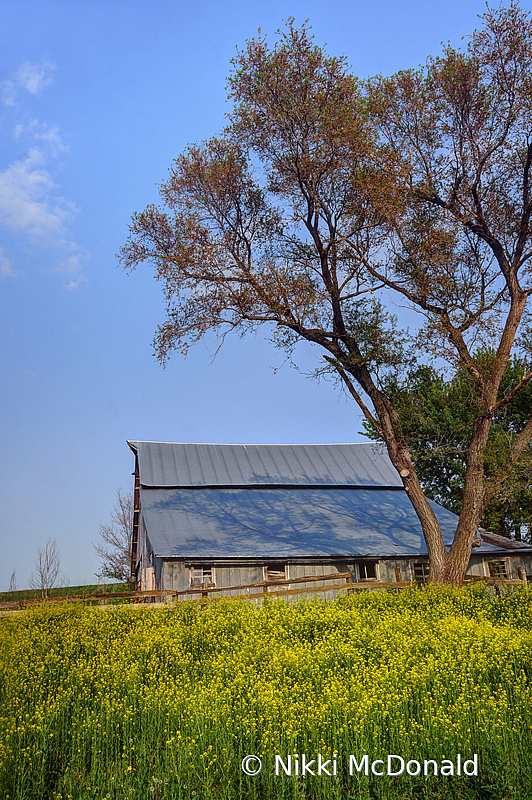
175, 574
514, 561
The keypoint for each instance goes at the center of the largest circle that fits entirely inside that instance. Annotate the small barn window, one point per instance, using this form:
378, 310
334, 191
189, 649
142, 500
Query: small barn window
367, 571
421, 571
200, 576
498, 569
275, 572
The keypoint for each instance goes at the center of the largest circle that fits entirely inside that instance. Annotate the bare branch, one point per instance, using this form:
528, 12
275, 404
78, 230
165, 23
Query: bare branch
510, 396
114, 547
47, 568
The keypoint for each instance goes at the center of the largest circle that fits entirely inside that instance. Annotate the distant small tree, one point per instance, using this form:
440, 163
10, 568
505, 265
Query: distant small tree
13, 582
114, 547
47, 568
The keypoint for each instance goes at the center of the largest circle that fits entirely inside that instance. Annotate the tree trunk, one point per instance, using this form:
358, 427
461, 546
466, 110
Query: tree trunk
402, 461
472, 505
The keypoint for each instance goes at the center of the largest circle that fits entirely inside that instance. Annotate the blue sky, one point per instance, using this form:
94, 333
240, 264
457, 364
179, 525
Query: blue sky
96, 100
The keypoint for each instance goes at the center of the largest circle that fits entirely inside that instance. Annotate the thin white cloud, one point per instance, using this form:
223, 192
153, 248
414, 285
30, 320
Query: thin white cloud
47, 134
31, 77
6, 265
19, 129
71, 265
26, 200
29, 204
30, 200
73, 285
52, 138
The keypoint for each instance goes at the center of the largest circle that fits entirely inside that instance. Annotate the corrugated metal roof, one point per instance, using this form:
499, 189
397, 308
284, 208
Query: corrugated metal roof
286, 522
168, 464
279, 501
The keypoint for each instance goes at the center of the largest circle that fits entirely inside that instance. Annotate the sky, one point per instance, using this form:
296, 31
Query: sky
96, 100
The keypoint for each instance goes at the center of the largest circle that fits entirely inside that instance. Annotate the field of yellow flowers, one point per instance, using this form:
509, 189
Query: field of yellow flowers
132, 702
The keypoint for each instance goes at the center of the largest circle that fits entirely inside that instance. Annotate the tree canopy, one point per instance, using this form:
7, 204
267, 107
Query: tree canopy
325, 195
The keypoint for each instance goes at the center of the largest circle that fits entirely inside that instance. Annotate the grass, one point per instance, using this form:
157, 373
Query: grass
143, 703
66, 591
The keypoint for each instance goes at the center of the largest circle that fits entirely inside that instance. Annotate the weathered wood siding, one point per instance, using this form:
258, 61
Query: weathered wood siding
175, 573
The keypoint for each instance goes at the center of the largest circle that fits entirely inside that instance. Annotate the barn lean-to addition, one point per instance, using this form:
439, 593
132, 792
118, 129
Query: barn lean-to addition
221, 515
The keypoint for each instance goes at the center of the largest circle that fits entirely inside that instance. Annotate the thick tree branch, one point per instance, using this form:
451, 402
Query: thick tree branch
510, 396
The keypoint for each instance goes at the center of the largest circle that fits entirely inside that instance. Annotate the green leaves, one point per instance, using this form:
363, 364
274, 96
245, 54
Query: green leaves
437, 417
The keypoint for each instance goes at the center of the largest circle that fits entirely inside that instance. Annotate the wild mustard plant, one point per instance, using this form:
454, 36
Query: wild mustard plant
137, 703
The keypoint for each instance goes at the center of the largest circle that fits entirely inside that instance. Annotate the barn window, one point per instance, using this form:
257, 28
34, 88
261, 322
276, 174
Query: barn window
367, 571
275, 572
498, 569
421, 571
200, 576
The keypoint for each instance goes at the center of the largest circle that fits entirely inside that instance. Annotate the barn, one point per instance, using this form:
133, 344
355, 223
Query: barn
219, 515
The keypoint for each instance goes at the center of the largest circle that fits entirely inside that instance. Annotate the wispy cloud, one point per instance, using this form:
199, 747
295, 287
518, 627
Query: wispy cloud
72, 263
72, 266
39, 131
52, 138
73, 285
30, 199
6, 265
31, 77
27, 203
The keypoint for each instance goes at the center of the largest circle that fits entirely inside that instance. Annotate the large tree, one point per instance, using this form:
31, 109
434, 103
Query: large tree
325, 196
